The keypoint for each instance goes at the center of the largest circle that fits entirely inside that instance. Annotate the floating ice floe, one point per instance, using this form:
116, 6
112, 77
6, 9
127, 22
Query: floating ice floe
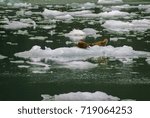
109, 1
76, 13
23, 23
143, 7
21, 32
77, 34
147, 10
80, 96
14, 25
47, 27
10, 43
87, 5
52, 13
23, 66
148, 60
2, 57
22, 12
121, 26
66, 54
114, 39
17, 62
120, 7
38, 67
82, 65
63, 15
89, 31
38, 38
20, 5
113, 13
2, 0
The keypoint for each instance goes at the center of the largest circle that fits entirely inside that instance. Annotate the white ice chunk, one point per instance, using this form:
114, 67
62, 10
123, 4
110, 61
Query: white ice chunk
10, 43
2, 0
147, 10
17, 61
23, 66
18, 5
114, 13
89, 31
64, 17
88, 5
76, 35
121, 26
23, 23
113, 39
66, 54
38, 38
109, 1
82, 65
80, 96
143, 7
83, 12
2, 57
21, 32
52, 13
14, 25
126, 6
148, 60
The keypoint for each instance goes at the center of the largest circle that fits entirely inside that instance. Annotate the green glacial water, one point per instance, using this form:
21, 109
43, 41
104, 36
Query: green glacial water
38, 53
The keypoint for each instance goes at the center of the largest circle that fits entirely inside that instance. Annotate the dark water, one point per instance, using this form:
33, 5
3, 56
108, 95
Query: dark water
126, 81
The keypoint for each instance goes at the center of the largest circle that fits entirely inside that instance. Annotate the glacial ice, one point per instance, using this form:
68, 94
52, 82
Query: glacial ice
63, 15
80, 96
76, 34
52, 13
82, 65
109, 1
66, 54
114, 13
121, 26
148, 60
120, 7
38, 38
16, 25
2, 57
20, 5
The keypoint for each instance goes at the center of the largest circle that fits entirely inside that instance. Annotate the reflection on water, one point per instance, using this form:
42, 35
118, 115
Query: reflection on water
38, 53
